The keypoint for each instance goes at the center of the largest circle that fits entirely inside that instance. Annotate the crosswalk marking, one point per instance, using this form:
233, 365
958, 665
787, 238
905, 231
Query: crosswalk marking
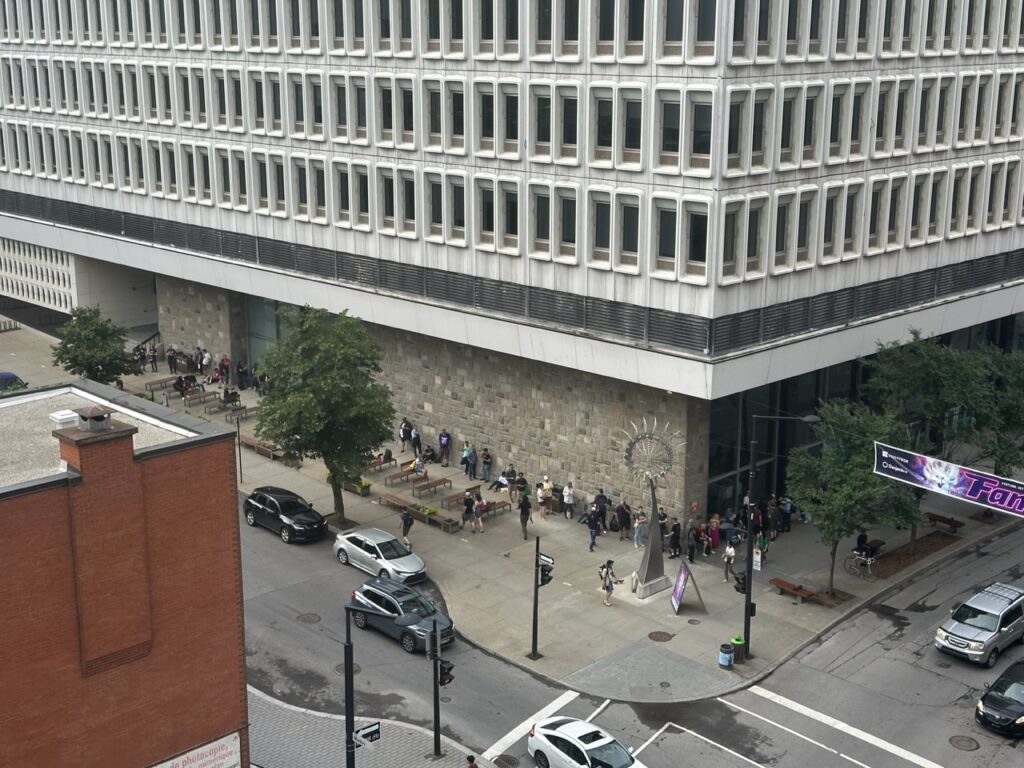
520, 730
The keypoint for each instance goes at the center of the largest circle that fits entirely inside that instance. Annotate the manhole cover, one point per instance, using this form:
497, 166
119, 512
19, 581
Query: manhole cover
663, 684
308, 618
660, 637
446, 699
964, 743
340, 669
506, 761
693, 622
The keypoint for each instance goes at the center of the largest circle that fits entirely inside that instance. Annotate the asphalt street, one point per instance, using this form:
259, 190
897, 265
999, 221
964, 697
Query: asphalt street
872, 693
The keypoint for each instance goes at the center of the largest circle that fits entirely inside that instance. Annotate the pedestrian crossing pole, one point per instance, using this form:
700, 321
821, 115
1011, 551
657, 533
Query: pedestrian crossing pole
534, 655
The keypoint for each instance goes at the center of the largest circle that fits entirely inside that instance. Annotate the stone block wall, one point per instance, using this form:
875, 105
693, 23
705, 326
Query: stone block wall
195, 315
545, 419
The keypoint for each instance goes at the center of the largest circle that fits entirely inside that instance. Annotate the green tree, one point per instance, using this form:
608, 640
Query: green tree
323, 401
833, 480
93, 346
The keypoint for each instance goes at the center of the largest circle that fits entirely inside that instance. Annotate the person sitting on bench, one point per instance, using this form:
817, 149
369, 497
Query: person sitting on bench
500, 484
429, 455
862, 547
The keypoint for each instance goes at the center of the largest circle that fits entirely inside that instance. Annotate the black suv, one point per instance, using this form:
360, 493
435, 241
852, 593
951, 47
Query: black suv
285, 513
380, 602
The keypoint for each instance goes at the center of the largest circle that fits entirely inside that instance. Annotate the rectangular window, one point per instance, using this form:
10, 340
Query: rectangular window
665, 259
670, 121
697, 242
629, 228
634, 124
569, 126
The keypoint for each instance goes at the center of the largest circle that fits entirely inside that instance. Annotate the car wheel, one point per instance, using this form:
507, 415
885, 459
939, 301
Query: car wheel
250, 518
384, 573
541, 759
343, 556
992, 658
286, 535
359, 619
408, 643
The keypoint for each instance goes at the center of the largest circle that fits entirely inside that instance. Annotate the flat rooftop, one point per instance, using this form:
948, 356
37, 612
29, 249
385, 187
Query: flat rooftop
29, 450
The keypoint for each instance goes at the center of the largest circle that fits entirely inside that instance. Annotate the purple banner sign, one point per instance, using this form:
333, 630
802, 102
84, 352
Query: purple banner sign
679, 588
996, 493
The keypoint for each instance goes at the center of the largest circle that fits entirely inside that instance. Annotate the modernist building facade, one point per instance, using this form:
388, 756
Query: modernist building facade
699, 197
124, 639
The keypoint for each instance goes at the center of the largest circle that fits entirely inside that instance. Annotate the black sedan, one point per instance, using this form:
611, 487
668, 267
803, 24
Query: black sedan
285, 513
1001, 707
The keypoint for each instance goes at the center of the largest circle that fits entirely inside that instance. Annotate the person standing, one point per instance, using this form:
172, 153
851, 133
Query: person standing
663, 522
444, 446
548, 488
172, 361
639, 528
485, 464
594, 524
729, 557
466, 448
414, 441
691, 540
478, 513
623, 519
608, 581
405, 432
525, 515
471, 462
601, 503
521, 485
467, 511
569, 501
152, 358
407, 521
674, 533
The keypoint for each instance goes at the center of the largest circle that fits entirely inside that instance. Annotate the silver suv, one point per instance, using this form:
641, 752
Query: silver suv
980, 629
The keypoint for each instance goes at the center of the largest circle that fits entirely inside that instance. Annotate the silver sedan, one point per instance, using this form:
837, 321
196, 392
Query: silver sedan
379, 553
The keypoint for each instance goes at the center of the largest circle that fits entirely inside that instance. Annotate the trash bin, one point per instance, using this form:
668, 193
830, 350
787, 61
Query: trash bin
725, 656
739, 650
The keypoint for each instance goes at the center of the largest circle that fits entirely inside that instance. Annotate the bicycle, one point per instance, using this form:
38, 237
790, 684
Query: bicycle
859, 564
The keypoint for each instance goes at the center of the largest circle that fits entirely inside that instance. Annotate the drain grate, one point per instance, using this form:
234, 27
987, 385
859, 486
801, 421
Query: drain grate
308, 618
663, 684
964, 743
340, 669
660, 637
506, 761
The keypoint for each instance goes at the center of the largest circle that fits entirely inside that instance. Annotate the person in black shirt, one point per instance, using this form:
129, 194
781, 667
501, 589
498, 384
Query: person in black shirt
675, 532
601, 503
524, 512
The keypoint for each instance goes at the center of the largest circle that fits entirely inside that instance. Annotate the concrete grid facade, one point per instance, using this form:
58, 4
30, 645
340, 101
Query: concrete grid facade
684, 195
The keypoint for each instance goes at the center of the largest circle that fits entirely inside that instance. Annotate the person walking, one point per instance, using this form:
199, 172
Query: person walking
601, 503
478, 513
172, 361
691, 540
407, 521
405, 432
594, 524
444, 446
569, 501
152, 358
607, 581
415, 442
728, 557
639, 528
525, 515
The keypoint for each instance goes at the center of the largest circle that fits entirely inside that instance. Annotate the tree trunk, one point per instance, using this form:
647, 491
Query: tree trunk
832, 570
339, 499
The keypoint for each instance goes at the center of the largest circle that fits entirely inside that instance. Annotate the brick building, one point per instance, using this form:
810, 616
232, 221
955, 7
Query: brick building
121, 590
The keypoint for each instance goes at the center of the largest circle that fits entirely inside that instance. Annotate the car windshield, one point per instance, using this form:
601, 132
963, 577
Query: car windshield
392, 550
611, 754
975, 617
293, 506
417, 604
1009, 689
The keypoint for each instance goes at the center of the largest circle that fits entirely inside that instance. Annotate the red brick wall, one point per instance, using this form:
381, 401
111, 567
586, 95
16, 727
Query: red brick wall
188, 687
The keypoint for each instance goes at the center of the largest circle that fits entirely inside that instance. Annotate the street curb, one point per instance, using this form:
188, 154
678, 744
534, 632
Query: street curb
746, 683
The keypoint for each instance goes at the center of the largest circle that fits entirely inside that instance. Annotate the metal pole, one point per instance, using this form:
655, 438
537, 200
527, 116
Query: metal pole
750, 541
536, 596
435, 634
238, 439
350, 707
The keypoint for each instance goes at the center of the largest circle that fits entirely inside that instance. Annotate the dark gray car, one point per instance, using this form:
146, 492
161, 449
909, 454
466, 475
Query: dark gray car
380, 602
287, 514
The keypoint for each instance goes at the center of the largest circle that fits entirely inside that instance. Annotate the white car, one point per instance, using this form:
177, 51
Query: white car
565, 742
378, 552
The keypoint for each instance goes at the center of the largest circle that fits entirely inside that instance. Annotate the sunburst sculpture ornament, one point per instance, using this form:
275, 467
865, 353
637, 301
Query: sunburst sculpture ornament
650, 455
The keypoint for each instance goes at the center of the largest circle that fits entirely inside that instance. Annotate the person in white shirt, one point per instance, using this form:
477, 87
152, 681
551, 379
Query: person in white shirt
569, 501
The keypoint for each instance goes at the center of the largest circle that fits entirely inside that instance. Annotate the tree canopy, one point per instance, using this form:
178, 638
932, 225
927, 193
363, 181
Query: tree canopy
323, 401
834, 480
93, 346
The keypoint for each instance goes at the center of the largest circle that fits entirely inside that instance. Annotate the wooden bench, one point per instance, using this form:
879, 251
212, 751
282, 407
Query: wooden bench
152, 386
262, 449
242, 412
954, 524
377, 466
797, 590
456, 498
430, 485
402, 475
494, 507
395, 502
199, 397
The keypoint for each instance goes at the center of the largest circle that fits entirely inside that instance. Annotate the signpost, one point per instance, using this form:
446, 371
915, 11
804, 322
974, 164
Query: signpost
366, 735
542, 567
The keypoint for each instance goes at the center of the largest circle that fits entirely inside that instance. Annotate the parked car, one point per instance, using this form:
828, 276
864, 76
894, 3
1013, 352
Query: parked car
379, 603
565, 742
10, 382
379, 553
287, 514
984, 626
1001, 707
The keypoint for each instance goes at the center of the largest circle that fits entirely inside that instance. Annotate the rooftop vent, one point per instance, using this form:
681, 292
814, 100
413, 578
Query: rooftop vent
64, 419
95, 418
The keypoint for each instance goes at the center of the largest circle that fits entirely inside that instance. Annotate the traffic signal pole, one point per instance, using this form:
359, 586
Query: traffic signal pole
536, 602
436, 635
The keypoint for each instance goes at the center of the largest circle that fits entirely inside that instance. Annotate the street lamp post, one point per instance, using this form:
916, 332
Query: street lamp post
350, 704
748, 606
